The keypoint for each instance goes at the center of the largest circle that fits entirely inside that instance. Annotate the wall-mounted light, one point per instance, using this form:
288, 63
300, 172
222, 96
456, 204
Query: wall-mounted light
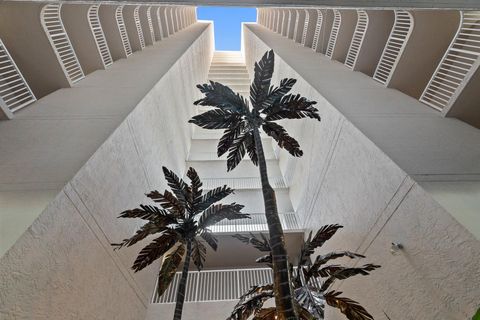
396, 248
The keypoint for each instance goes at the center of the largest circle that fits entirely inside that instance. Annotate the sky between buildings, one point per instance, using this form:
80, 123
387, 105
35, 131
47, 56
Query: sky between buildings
227, 22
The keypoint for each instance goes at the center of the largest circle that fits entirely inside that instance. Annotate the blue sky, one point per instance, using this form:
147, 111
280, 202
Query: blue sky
227, 21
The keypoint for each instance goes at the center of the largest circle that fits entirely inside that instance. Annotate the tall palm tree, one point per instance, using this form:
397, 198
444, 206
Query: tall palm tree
310, 290
242, 135
185, 216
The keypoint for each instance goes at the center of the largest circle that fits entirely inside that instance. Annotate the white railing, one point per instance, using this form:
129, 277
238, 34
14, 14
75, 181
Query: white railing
215, 285
52, 25
305, 27
256, 223
14, 90
123, 30
242, 183
159, 20
150, 24
284, 26
138, 26
459, 63
357, 39
402, 28
98, 35
318, 28
337, 22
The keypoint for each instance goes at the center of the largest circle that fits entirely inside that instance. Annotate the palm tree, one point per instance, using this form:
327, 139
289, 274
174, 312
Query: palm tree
310, 291
242, 135
186, 214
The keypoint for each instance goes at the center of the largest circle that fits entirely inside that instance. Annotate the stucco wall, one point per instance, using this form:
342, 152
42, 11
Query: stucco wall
63, 266
346, 178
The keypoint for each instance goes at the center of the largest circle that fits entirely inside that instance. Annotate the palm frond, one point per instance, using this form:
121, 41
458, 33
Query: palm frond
323, 234
217, 213
220, 96
179, 187
261, 244
266, 314
210, 239
147, 229
229, 136
267, 259
237, 151
199, 253
251, 149
277, 93
311, 300
168, 201
196, 189
315, 271
155, 249
216, 119
213, 196
292, 107
251, 302
150, 213
169, 268
280, 135
351, 309
263, 72
344, 273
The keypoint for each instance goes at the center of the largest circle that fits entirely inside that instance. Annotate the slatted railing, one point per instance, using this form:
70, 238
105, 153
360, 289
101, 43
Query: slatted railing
14, 90
242, 183
256, 223
318, 29
215, 285
402, 28
357, 39
98, 35
150, 24
123, 30
332, 41
459, 63
305, 27
138, 26
52, 25
159, 20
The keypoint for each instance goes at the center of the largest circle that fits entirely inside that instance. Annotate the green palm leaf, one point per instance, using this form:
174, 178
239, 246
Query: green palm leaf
150, 213
155, 249
169, 268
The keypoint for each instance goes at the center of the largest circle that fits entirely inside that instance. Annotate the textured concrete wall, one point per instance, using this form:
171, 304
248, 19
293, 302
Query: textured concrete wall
63, 266
346, 178
192, 311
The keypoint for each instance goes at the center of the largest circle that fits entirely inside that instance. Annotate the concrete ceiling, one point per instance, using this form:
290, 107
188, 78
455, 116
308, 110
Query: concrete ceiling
431, 4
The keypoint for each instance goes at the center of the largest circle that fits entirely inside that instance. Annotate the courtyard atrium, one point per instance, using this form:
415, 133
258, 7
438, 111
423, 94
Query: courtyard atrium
380, 146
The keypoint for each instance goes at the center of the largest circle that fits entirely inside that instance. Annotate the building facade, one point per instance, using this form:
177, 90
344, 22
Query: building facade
95, 99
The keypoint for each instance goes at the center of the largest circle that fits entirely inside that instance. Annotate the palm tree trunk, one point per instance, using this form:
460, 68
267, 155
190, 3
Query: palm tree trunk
281, 274
183, 284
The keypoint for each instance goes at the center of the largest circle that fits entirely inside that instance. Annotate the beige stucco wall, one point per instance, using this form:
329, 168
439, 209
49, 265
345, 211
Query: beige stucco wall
346, 177
63, 266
